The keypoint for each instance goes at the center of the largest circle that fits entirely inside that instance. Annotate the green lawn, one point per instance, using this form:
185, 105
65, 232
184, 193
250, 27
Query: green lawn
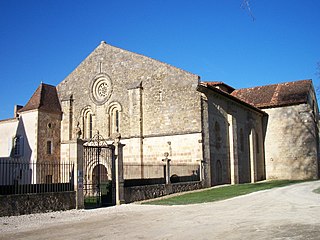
220, 193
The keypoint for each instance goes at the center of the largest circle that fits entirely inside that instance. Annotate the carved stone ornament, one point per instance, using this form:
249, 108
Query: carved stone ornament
101, 89
77, 131
116, 137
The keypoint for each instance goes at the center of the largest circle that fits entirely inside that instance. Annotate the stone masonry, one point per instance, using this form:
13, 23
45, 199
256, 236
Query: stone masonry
219, 133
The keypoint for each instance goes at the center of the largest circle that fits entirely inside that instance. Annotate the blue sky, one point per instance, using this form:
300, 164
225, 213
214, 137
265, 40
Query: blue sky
45, 40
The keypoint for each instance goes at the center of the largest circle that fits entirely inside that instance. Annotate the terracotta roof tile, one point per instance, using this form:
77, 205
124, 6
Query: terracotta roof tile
44, 98
275, 95
226, 94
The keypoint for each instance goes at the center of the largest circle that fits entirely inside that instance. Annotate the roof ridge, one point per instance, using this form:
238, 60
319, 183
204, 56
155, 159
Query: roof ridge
142, 55
41, 95
280, 94
275, 84
232, 97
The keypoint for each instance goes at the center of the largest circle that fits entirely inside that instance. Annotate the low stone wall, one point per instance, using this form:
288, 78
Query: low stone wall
11, 205
139, 193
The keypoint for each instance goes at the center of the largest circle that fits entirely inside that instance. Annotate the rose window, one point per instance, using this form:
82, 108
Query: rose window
101, 89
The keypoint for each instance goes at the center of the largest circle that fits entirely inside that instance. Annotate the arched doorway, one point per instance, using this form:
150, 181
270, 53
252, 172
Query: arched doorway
98, 187
99, 174
102, 183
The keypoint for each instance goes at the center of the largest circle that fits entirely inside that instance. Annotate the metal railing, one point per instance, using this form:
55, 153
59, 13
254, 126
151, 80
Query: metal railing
18, 176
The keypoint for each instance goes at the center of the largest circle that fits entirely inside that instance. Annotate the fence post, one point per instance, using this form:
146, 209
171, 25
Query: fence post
119, 169
167, 164
201, 175
76, 157
80, 196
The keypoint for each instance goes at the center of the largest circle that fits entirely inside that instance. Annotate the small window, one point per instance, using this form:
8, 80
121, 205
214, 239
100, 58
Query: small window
49, 147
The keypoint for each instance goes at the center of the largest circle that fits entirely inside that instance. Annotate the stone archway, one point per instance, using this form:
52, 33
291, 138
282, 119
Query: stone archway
99, 174
98, 161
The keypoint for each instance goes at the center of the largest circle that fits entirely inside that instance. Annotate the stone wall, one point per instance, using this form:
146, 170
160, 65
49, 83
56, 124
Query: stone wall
291, 143
49, 130
158, 106
184, 149
139, 193
11, 205
235, 141
154, 98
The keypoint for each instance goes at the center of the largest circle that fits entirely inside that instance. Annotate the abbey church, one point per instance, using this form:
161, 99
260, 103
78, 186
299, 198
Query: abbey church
235, 135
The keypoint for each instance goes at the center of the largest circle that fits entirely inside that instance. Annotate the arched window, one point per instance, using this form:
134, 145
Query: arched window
17, 146
87, 118
114, 118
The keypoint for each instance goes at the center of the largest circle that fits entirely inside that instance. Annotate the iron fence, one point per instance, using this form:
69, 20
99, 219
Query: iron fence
18, 176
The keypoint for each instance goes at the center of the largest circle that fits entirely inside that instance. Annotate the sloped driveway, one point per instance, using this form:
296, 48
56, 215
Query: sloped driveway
291, 212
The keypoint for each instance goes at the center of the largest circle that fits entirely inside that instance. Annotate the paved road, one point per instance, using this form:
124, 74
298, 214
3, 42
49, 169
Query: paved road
291, 212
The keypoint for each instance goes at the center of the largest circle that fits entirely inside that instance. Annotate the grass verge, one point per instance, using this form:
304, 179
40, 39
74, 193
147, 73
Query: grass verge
220, 193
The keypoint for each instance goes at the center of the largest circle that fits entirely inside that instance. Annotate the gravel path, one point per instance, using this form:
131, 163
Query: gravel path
291, 212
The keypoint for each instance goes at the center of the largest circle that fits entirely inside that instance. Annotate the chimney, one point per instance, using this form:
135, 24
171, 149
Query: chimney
16, 109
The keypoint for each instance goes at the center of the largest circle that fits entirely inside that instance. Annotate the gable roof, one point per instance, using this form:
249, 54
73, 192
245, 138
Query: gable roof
103, 49
276, 95
45, 98
212, 87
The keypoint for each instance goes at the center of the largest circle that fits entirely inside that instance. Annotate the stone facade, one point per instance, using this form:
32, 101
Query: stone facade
292, 133
34, 134
231, 136
49, 137
292, 143
120, 91
157, 109
140, 87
